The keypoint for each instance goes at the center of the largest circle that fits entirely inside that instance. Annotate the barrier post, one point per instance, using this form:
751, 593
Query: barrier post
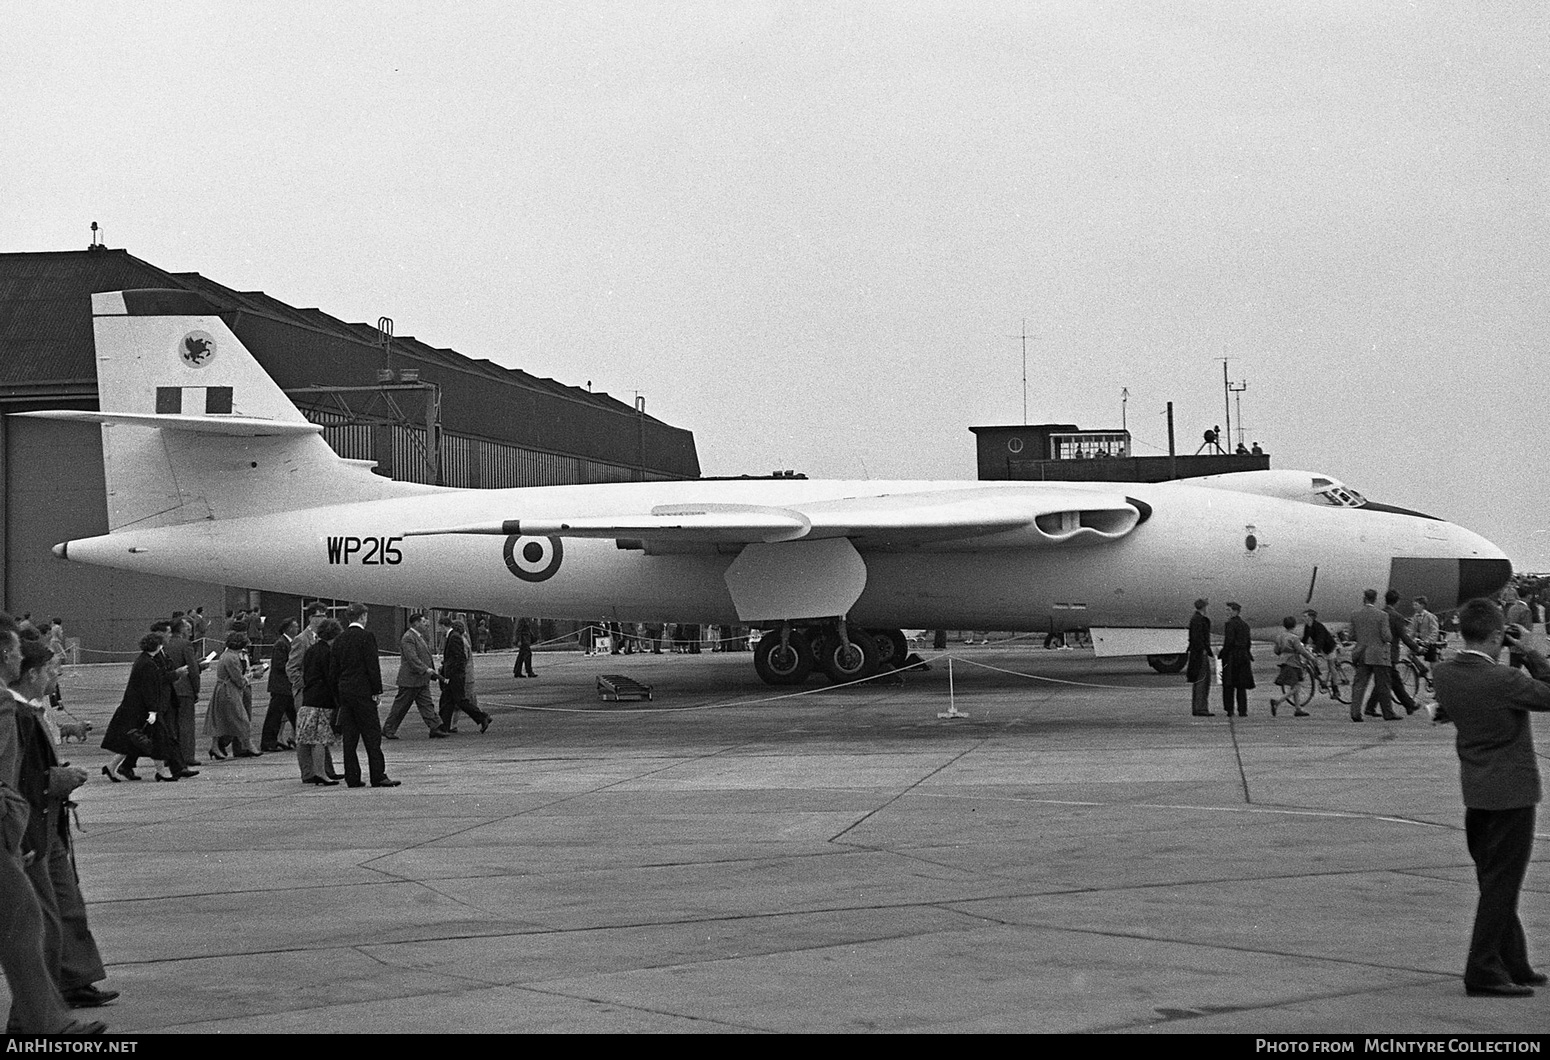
952, 710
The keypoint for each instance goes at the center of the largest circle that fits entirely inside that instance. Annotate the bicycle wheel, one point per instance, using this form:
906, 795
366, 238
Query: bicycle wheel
1302, 691
1339, 680
1408, 675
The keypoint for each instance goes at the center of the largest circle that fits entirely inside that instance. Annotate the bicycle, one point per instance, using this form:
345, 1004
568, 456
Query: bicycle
1313, 674
1301, 693
1413, 672
1334, 675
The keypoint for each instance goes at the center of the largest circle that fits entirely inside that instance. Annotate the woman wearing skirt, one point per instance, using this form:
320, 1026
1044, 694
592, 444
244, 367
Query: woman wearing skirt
315, 715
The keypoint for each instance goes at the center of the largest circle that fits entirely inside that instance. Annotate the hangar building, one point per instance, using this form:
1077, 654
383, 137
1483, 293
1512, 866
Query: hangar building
423, 413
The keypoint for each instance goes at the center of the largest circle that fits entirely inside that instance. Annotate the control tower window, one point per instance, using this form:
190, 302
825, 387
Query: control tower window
1089, 445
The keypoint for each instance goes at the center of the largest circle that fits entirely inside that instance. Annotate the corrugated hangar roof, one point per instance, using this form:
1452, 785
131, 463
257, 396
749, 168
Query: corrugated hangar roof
46, 352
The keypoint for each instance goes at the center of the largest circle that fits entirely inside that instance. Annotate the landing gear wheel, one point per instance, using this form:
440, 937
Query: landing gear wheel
843, 663
1167, 664
892, 647
789, 665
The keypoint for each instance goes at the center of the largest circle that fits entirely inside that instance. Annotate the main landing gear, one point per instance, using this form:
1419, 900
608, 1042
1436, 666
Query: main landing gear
789, 654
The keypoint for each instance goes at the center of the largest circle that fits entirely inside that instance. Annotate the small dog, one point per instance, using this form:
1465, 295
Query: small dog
69, 727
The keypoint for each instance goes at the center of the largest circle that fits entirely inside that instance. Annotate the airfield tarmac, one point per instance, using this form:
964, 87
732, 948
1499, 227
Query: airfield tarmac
1078, 855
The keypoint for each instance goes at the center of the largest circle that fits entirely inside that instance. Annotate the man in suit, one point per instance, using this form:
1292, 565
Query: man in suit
1198, 670
282, 705
356, 674
1489, 704
416, 670
525, 650
199, 625
1399, 633
1371, 658
1237, 663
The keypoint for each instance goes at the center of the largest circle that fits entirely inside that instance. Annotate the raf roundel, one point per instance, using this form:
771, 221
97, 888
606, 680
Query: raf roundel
197, 349
533, 559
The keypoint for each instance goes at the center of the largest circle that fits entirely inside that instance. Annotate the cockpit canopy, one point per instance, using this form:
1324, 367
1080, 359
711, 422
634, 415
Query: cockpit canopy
1336, 494
1305, 486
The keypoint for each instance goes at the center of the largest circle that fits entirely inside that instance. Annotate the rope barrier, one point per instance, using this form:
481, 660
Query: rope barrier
611, 710
1037, 677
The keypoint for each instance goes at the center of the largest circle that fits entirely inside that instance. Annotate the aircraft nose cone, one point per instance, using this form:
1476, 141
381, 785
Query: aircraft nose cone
62, 550
1482, 577
1447, 583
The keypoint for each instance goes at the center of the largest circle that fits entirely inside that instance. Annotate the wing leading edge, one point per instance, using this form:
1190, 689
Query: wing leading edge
993, 518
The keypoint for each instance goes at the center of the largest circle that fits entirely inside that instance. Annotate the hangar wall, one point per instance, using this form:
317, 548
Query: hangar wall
54, 491
501, 427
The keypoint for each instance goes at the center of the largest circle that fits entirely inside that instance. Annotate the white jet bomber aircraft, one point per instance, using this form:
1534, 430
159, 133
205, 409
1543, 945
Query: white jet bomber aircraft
255, 497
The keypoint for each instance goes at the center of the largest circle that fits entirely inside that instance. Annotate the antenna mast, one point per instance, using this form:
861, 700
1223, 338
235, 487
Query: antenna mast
1025, 337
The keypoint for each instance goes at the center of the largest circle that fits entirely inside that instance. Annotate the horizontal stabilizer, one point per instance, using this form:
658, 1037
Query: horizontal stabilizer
232, 426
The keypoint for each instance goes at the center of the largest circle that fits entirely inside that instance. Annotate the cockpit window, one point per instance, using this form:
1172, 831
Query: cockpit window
1341, 497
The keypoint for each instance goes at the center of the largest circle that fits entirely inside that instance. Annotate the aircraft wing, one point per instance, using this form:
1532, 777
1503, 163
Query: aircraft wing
1037, 516
688, 524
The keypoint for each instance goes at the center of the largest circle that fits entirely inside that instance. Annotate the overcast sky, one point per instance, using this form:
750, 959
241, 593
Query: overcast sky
810, 232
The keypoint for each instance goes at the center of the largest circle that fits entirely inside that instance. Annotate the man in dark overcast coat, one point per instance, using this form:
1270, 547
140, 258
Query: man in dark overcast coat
1198, 669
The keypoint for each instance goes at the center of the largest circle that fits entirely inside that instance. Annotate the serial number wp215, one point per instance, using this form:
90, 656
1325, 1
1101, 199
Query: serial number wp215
368, 551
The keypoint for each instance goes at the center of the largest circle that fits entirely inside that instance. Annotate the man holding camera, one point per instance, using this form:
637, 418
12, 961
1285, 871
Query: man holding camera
1489, 704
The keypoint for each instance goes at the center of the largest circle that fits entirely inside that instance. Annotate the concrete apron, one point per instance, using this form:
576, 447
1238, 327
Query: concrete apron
1077, 854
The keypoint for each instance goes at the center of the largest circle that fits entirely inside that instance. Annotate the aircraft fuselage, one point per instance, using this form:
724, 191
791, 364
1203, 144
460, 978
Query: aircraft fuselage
1274, 556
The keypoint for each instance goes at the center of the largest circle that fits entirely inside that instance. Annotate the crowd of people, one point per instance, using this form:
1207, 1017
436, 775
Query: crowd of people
323, 679
1371, 643
1489, 704
607, 637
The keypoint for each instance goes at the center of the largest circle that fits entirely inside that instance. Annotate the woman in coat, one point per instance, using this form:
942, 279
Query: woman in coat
315, 715
229, 720
1237, 663
136, 728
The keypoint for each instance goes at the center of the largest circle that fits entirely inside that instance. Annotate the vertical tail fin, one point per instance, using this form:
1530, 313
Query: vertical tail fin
193, 428
170, 352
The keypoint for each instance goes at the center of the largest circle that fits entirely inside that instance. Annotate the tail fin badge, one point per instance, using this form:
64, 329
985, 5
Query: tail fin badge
197, 349
533, 559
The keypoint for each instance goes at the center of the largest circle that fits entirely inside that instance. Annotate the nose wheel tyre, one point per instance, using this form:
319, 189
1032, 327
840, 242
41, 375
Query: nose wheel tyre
788, 665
